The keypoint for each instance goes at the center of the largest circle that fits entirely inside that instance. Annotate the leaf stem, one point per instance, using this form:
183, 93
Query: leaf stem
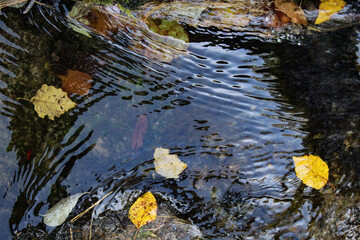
332, 185
25, 99
136, 233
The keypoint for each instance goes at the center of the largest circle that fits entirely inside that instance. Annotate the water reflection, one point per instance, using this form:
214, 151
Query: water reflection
220, 108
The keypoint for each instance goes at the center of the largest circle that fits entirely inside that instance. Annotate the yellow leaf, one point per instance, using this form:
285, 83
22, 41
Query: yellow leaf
143, 210
51, 101
328, 8
313, 171
167, 165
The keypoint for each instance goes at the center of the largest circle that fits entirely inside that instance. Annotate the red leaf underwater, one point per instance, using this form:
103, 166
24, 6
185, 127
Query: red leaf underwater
139, 132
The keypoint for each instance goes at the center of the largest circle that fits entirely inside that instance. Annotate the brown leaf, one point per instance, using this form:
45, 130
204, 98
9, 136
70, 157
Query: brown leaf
139, 132
76, 82
294, 12
101, 22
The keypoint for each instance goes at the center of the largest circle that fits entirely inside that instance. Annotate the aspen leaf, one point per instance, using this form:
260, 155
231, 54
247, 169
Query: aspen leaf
328, 8
312, 170
143, 210
168, 165
51, 101
76, 82
57, 215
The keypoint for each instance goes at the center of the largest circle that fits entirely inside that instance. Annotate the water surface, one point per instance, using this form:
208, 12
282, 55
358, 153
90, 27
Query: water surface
226, 108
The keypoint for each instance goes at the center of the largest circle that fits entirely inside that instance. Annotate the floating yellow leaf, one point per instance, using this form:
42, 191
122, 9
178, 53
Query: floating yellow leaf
167, 165
313, 171
143, 210
51, 101
328, 8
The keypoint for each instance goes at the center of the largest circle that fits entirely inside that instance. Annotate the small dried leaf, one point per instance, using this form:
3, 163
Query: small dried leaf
312, 170
328, 8
293, 11
144, 210
76, 82
51, 101
167, 165
57, 215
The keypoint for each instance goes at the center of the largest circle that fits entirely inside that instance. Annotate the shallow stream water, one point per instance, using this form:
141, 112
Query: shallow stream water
235, 109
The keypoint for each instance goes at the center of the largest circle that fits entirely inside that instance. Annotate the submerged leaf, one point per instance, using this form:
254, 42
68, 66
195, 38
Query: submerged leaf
167, 165
51, 101
76, 82
139, 132
143, 210
312, 170
168, 28
328, 8
57, 215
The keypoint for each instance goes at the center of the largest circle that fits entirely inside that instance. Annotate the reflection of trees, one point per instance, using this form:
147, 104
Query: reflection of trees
47, 150
324, 80
321, 77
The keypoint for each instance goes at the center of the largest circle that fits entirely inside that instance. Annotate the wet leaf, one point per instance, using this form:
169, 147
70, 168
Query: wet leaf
293, 11
168, 165
328, 8
143, 210
51, 101
139, 132
57, 215
168, 28
312, 170
76, 82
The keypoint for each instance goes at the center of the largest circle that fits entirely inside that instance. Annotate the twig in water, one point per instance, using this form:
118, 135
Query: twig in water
151, 11
71, 235
81, 214
31, 4
8, 3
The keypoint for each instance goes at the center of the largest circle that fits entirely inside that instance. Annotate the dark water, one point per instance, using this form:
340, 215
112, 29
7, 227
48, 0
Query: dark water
235, 108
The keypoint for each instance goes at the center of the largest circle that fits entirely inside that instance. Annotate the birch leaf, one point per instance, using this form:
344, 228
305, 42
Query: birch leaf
143, 210
168, 165
57, 215
328, 8
312, 170
51, 101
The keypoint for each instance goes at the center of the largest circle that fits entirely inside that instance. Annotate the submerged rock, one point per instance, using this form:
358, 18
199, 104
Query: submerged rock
115, 225
340, 218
